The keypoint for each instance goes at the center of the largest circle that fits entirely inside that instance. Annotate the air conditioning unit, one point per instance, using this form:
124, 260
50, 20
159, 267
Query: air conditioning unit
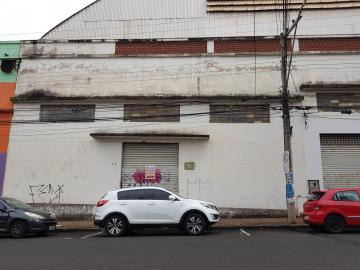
8, 65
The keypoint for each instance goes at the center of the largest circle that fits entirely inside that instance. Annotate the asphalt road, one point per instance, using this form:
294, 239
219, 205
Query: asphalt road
250, 249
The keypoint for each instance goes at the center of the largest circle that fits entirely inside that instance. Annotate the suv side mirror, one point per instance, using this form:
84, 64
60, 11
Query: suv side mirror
172, 198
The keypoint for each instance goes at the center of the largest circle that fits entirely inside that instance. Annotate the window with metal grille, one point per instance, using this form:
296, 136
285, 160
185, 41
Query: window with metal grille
151, 113
67, 113
239, 114
338, 102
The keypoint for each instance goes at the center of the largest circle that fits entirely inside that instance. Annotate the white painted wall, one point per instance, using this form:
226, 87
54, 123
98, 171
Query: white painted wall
240, 166
182, 76
320, 124
67, 49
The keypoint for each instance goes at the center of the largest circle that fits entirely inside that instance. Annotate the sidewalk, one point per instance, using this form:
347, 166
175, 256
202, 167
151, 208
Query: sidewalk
233, 223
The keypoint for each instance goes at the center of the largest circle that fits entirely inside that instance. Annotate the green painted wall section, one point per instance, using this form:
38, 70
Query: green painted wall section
9, 50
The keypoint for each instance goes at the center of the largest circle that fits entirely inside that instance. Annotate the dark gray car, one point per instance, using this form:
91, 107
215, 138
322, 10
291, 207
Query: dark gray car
18, 218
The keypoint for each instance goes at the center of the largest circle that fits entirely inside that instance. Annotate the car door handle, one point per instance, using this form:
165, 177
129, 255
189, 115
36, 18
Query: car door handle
151, 203
123, 203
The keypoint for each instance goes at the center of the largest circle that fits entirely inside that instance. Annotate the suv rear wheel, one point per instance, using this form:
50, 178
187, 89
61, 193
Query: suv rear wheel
334, 224
115, 226
194, 224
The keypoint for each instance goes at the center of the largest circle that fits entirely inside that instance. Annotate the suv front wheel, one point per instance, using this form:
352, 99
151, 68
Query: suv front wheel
194, 224
18, 229
115, 226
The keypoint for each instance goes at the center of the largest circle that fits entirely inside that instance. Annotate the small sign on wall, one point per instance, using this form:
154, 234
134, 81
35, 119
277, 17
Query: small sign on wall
289, 178
189, 166
314, 185
286, 162
150, 172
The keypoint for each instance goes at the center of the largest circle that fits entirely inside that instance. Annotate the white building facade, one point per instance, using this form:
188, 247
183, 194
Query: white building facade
186, 95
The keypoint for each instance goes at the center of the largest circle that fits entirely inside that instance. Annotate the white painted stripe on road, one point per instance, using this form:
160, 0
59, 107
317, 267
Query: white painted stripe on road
246, 233
91, 235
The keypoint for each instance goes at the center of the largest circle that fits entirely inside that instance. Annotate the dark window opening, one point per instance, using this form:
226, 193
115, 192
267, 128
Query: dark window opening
338, 102
239, 114
67, 113
151, 113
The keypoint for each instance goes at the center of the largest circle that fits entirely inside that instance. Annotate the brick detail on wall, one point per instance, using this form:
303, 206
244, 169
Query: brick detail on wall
161, 47
239, 46
248, 46
329, 44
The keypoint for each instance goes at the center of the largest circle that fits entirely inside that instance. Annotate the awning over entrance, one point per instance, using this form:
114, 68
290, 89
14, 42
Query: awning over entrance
149, 136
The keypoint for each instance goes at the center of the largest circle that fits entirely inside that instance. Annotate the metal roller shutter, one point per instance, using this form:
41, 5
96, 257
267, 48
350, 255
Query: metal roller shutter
165, 158
340, 156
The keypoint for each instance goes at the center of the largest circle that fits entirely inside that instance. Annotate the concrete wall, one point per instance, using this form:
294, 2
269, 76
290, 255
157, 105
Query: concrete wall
239, 167
236, 168
187, 76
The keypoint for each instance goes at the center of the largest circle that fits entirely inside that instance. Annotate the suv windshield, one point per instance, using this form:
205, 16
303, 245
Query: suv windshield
316, 196
16, 203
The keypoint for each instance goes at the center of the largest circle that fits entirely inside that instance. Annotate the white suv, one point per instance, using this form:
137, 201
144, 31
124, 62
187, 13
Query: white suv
123, 209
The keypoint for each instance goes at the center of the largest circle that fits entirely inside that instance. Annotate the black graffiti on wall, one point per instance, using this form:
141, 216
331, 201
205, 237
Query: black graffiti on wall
46, 193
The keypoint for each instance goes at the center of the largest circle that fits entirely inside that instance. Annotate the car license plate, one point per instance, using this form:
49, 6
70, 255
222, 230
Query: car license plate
52, 228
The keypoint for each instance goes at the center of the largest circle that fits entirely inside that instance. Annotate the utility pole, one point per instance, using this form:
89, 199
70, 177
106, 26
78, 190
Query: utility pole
288, 166
285, 72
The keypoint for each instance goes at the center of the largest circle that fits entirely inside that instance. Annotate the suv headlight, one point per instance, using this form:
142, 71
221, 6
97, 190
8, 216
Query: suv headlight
211, 206
33, 215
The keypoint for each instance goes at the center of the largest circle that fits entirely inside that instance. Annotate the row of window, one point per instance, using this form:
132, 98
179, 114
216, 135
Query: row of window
338, 102
157, 113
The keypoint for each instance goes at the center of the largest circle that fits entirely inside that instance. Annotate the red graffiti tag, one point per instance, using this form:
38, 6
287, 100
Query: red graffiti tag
139, 177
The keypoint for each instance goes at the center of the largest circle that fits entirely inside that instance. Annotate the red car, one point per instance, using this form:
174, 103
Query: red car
333, 209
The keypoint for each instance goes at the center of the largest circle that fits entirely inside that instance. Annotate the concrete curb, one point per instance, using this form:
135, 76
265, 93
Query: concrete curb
264, 226
222, 228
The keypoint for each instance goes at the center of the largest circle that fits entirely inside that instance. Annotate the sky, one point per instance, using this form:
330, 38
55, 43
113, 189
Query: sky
30, 19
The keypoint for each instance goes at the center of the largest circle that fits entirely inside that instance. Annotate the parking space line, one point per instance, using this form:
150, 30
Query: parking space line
91, 235
244, 232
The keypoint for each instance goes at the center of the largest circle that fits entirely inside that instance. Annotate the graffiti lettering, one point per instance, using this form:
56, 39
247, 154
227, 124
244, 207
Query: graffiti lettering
138, 178
46, 193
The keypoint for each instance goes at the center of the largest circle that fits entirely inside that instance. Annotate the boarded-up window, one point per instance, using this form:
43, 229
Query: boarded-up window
337, 102
67, 113
151, 113
239, 114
